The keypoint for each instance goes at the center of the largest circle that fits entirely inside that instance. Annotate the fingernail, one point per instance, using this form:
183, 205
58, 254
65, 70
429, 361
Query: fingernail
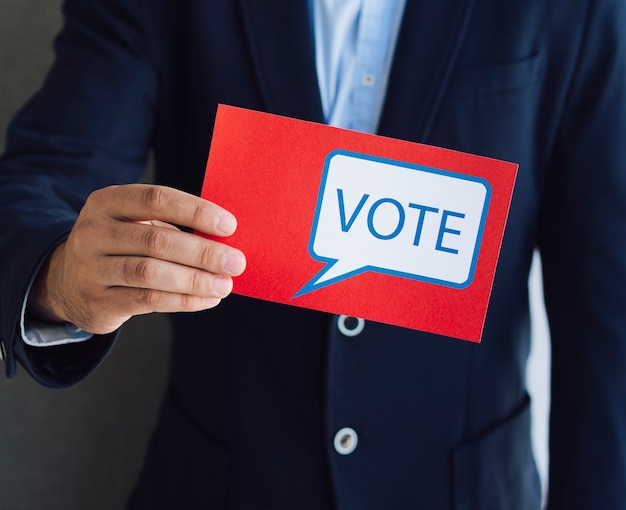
235, 263
226, 224
222, 286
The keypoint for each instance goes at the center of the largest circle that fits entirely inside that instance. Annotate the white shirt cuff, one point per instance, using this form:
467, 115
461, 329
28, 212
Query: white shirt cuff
46, 334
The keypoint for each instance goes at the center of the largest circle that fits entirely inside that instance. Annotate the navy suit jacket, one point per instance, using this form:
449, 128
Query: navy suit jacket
258, 390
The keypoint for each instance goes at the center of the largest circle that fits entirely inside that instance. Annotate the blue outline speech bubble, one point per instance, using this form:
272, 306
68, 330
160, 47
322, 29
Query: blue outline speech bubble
331, 263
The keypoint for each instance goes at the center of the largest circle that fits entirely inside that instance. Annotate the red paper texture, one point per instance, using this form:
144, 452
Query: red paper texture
358, 224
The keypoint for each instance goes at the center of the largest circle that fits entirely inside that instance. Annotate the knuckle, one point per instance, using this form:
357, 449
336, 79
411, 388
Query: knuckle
145, 271
199, 213
197, 283
100, 197
150, 298
85, 231
186, 301
96, 197
156, 240
206, 255
155, 198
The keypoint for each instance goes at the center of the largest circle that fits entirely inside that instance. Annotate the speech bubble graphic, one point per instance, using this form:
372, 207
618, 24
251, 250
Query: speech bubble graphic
395, 218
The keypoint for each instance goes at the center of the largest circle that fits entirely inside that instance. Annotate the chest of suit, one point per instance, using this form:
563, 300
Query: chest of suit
416, 401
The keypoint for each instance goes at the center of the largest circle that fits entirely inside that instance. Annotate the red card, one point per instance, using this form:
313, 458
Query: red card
357, 224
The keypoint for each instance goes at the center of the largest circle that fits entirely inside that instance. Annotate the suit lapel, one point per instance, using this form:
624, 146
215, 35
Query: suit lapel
281, 44
428, 44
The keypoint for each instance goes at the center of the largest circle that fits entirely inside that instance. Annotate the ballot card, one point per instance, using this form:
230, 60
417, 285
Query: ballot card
357, 224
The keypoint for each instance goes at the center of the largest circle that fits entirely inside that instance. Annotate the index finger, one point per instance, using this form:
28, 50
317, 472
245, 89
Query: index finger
145, 202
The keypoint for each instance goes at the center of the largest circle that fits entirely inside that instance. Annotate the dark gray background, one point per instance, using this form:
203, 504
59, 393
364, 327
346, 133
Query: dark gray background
79, 448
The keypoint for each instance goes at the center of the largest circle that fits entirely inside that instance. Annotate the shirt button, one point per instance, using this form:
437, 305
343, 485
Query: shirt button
350, 326
346, 441
368, 79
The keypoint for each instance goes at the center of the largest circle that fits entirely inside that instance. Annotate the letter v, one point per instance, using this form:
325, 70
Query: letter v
345, 227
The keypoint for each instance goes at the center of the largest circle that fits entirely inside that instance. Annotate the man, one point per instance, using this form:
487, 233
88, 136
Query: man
277, 407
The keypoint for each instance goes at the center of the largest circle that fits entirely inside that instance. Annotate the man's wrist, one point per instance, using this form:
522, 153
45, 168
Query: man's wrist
38, 326
39, 302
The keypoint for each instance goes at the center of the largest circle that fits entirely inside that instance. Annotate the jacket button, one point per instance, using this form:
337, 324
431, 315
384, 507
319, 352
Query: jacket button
346, 441
350, 326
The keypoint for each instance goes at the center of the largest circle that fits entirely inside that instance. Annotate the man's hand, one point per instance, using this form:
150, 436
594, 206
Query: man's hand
124, 257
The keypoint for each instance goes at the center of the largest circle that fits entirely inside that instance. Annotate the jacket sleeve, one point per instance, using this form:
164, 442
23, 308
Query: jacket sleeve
89, 126
583, 248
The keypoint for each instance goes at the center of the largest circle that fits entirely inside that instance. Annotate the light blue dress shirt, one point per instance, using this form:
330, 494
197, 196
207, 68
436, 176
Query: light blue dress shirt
354, 45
